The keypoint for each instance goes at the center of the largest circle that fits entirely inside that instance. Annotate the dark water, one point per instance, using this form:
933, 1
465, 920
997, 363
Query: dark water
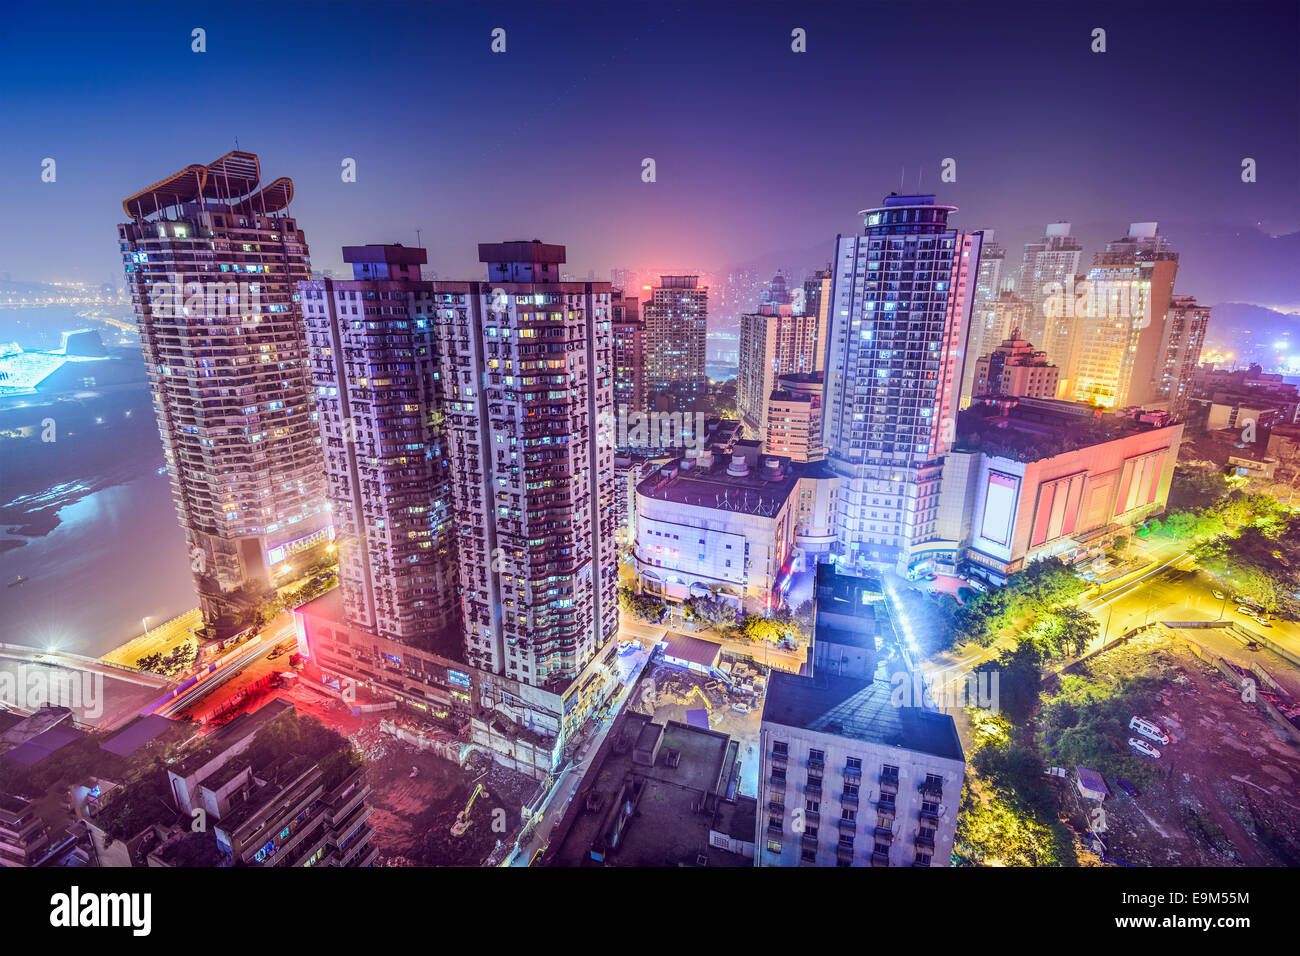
117, 555
101, 545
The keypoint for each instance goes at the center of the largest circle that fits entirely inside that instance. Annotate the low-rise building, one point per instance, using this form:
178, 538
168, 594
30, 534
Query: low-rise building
1015, 368
849, 778
658, 795
794, 418
1038, 479
24, 836
724, 528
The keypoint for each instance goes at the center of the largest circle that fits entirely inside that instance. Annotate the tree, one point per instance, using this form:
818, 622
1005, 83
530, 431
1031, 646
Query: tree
645, 606
1071, 629
709, 611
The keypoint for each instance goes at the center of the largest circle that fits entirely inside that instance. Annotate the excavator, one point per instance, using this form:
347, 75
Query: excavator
463, 822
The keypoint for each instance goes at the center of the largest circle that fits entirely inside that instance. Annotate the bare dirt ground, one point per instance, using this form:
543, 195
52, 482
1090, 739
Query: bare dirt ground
1227, 793
413, 816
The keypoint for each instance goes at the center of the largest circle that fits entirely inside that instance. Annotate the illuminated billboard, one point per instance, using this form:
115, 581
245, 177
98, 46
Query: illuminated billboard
999, 507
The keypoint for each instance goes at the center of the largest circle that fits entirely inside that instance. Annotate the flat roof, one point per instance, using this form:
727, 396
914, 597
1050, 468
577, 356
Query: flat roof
858, 710
669, 827
696, 650
755, 493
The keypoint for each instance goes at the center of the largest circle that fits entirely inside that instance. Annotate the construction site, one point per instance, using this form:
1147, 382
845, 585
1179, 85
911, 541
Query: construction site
1225, 790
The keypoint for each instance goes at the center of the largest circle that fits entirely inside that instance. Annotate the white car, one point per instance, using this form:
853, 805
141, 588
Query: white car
1149, 729
1218, 595
1246, 611
1142, 747
740, 708
1263, 621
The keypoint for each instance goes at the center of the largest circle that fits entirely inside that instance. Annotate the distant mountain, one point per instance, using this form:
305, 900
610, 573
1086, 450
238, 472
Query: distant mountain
1251, 332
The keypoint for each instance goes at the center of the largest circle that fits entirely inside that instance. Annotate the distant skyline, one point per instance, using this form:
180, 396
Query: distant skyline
762, 155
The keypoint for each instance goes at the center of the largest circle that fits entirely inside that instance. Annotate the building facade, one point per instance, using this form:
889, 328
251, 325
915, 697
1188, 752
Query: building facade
1057, 479
1015, 368
794, 418
1182, 338
849, 777
774, 341
528, 377
676, 318
901, 299
992, 322
376, 372
1047, 265
213, 260
1116, 359
629, 352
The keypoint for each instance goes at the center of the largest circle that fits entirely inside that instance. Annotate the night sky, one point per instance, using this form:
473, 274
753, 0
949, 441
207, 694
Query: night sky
759, 151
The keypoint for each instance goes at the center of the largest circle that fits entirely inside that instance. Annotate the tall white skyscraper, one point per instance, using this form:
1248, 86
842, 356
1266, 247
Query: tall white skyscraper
900, 308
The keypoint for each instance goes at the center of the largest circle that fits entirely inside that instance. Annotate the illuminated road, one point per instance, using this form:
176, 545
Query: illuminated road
227, 668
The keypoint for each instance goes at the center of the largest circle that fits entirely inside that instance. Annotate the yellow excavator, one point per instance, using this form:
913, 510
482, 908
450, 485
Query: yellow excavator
463, 822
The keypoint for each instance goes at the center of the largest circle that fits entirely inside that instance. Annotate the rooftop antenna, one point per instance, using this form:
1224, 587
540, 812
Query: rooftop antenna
901, 170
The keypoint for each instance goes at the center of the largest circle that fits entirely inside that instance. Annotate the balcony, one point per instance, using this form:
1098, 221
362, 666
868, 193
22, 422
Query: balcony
886, 803
853, 773
774, 830
816, 763
809, 841
774, 807
925, 839
776, 781
849, 800
844, 851
928, 816
889, 782
779, 757
883, 833
813, 788
848, 826
879, 859
933, 788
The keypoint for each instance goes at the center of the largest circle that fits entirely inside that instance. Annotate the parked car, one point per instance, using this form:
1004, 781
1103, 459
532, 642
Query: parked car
1126, 786
1218, 595
931, 576
1262, 621
1149, 729
740, 708
1144, 748
1245, 611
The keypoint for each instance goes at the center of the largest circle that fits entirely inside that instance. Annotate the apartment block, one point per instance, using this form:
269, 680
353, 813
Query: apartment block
528, 378
676, 318
849, 778
213, 260
794, 418
1047, 266
1015, 368
376, 372
774, 341
1117, 358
